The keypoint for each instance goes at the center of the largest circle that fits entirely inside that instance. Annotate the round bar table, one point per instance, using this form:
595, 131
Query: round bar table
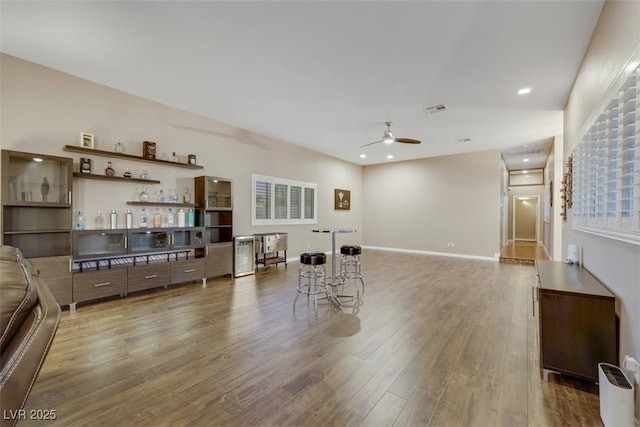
333, 231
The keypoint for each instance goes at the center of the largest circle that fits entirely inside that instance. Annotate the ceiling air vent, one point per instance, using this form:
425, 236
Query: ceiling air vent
435, 109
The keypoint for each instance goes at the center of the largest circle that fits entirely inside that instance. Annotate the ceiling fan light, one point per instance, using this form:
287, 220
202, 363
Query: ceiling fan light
388, 138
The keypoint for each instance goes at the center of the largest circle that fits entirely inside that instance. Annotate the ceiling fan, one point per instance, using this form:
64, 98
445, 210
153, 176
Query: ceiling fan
389, 138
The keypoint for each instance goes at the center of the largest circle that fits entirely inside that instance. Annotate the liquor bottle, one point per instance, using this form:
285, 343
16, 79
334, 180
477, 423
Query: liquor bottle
144, 220
144, 174
161, 197
99, 221
109, 171
144, 196
157, 219
113, 219
191, 218
170, 218
80, 221
174, 196
129, 219
119, 148
181, 218
174, 158
127, 173
186, 196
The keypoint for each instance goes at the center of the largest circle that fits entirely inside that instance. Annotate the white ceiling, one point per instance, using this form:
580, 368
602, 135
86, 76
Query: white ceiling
327, 74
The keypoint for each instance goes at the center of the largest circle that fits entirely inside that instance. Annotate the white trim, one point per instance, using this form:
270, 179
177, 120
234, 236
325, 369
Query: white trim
446, 254
617, 235
289, 183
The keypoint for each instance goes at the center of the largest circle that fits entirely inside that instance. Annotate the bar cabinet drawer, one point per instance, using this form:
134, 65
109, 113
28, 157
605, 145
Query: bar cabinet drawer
149, 276
99, 284
187, 270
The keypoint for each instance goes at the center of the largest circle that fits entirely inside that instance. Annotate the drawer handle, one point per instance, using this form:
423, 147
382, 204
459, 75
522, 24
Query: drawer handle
191, 270
97, 285
153, 276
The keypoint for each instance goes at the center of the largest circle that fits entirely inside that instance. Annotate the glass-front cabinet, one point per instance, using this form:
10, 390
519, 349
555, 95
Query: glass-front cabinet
149, 240
213, 198
36, 203
214, 212
187, 238
99, 243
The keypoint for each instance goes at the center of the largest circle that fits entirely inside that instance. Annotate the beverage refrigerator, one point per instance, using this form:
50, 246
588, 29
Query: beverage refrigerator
243, 256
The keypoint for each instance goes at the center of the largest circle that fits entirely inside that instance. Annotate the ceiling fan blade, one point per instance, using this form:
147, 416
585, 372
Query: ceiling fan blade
371, 143
408, 141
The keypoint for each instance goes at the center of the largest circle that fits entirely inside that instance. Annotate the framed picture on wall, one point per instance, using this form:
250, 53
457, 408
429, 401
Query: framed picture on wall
342, 199
86, 140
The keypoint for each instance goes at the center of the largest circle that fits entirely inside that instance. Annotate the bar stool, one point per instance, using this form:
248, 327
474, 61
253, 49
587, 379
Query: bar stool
312, 278
350, 266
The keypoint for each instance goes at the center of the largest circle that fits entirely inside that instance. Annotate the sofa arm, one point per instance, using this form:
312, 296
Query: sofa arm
25, 350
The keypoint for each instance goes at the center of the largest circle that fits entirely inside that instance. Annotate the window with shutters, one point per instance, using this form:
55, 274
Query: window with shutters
283, 201
607, 164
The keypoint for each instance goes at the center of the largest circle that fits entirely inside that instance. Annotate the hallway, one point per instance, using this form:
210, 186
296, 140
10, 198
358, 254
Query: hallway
523, 252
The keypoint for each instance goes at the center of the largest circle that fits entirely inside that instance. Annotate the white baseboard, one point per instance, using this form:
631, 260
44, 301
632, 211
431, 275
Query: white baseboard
447, 254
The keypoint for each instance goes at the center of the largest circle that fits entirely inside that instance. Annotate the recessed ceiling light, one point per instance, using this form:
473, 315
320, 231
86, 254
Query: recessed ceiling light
362, 156
389, 156
524, 91
525, 160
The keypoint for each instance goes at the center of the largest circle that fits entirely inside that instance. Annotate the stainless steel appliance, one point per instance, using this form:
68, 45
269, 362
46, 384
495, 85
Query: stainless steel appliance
243, 256
271, 248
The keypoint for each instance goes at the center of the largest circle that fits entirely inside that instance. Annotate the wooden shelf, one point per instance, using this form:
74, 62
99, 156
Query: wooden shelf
21, 204
113, 178
94, 152
55, 230
166, 204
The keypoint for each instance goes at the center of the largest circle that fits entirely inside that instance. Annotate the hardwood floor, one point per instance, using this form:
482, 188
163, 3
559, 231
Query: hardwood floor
523, 252
435, 341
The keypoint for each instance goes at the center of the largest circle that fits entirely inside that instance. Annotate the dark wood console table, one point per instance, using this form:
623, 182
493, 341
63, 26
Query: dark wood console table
577, 321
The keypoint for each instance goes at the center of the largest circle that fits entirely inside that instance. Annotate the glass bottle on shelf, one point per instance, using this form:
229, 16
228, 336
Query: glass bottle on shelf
174, 196
191, 218
119, 148
144, 196
161, 197
144, 219
181, 218
99, 221
80, 221
174, 158
186, 196
109, 171
144, 174
113, 219
157, 219
127, 173
170, 218
129, 219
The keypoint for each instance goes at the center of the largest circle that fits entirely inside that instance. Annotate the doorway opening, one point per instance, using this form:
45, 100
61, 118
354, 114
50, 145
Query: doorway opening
525, 218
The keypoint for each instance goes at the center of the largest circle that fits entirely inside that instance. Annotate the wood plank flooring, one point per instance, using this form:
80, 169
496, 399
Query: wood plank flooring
523, 252
435, 341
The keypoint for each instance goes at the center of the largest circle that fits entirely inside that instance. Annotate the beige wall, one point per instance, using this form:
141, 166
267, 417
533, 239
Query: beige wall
43, 109
554, 170
615, 263
427, 204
